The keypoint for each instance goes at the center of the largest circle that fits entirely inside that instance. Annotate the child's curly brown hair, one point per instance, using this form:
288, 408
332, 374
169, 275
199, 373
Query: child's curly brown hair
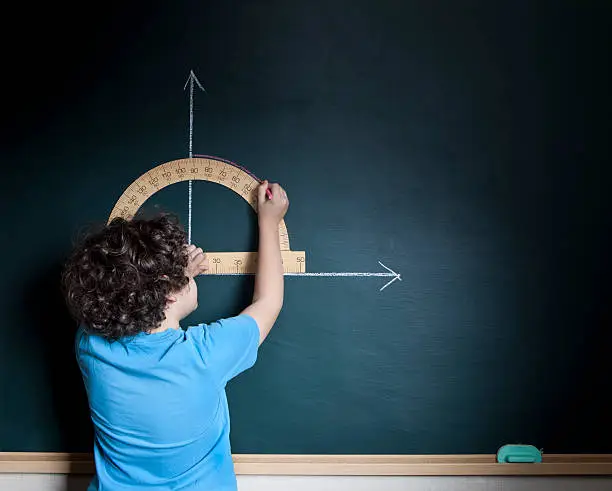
117, 279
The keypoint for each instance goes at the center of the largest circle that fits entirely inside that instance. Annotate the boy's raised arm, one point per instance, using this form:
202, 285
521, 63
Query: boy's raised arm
269, 278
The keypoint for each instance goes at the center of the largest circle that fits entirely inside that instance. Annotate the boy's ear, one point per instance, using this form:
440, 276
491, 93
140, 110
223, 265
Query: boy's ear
171, 298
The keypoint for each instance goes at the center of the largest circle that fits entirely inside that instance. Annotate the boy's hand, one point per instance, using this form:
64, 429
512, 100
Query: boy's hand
198, 263
271, 210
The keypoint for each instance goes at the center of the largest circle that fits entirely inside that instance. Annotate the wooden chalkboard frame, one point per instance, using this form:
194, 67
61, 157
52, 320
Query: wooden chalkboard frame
342, 465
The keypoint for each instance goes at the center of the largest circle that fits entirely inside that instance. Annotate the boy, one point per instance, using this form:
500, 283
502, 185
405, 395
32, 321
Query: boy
157, 392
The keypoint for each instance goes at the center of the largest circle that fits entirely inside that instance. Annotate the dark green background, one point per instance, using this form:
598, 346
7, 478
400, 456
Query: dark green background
462, 143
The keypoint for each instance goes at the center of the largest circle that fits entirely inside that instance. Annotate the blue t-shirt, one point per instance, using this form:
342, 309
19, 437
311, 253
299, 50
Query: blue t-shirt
159, 407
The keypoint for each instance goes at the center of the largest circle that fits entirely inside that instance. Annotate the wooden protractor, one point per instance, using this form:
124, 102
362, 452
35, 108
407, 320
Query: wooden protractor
219, 171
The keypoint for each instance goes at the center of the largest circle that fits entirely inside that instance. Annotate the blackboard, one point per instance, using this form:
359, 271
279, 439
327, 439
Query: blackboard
463, 144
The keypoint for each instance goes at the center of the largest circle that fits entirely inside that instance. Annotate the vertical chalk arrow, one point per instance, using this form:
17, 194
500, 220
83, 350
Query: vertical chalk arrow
191, 81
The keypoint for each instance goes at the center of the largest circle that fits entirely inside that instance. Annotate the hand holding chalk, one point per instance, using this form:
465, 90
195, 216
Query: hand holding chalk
268, 189
273, 208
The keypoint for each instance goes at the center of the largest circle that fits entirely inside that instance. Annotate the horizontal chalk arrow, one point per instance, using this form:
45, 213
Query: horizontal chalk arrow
389, 274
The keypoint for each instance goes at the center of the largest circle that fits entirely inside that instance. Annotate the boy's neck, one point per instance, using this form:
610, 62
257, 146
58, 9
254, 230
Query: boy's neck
167, 323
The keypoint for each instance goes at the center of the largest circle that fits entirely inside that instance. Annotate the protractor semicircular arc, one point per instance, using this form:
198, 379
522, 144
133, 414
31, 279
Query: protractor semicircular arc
219, 171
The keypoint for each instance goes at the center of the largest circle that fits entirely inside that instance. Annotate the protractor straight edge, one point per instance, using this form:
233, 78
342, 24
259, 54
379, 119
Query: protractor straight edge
233, 263
219, 171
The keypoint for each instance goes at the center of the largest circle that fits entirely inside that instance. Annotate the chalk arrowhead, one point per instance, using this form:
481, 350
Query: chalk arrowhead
191, 79
395, 278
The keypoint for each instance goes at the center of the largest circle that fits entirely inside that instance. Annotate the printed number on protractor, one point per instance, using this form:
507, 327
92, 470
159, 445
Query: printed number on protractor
221, 172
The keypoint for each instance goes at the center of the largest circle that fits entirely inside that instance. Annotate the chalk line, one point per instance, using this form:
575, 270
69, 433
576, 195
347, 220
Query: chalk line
190, 80
389, 274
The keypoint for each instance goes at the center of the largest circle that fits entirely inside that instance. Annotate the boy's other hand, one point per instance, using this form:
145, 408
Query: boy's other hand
271, 210
198, 263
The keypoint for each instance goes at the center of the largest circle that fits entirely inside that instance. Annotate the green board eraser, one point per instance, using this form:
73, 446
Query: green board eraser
519, 454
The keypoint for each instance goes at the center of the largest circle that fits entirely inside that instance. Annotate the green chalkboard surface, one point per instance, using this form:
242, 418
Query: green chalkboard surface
462, 144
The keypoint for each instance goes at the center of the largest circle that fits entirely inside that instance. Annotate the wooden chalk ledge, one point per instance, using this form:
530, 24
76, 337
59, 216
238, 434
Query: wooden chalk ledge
341, 465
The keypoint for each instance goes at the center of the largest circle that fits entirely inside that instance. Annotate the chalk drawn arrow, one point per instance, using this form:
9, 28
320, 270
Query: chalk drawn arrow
192, 80
388, 274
